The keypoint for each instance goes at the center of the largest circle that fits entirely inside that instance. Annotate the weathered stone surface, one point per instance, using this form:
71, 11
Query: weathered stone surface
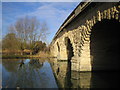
79, 32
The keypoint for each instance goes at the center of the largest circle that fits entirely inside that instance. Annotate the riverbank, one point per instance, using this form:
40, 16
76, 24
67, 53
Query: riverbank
14, 56
39, 55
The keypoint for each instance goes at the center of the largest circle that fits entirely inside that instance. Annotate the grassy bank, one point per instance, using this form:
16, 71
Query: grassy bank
39, 55
14, 56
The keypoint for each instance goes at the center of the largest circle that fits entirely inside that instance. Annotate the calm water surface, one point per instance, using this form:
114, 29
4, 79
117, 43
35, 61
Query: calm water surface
0, 73
27, 73
52, 73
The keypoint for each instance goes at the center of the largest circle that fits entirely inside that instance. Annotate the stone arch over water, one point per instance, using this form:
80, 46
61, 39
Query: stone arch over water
104, 45
81, 32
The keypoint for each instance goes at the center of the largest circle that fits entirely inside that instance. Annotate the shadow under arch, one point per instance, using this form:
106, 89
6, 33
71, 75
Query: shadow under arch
58, 47
58, 50
105, 45
70, 54
69, 48
104, 50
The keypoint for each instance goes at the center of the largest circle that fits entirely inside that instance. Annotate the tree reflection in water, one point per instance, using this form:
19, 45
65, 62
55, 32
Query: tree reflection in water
28, 73
23, 74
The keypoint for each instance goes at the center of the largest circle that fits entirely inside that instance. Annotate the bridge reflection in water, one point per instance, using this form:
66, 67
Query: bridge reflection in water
72, 79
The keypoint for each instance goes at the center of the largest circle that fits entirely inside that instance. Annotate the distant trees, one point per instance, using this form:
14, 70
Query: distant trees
29, 30
10, 42
0, 45
26, 33
39, 46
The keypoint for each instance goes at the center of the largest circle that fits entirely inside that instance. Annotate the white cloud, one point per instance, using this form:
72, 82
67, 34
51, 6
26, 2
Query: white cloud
53, 15
50, 13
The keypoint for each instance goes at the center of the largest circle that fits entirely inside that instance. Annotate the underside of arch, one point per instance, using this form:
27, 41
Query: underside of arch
105, 45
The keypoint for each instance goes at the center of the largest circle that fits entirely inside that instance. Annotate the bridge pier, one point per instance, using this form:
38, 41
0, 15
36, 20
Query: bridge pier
85, 60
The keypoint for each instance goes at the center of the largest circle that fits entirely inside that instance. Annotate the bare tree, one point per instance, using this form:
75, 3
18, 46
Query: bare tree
11, 29
29, 30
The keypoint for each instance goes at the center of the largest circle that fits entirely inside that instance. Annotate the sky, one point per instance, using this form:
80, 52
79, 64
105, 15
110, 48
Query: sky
53, 13
40, 0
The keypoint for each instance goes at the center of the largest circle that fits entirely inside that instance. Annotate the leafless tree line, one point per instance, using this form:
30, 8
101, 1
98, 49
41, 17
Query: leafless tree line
29, 30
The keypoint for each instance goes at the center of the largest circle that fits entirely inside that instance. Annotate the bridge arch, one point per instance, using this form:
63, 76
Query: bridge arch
99, 46
81, 31
104, 45
69, 48
87, 61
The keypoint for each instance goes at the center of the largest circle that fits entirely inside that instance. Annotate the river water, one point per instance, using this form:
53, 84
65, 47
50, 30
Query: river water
52, 73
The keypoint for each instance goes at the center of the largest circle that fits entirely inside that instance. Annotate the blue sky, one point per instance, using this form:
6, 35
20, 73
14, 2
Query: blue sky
53, 13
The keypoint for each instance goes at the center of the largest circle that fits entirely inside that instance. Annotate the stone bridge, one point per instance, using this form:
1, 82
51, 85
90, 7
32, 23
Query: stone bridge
89, 37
